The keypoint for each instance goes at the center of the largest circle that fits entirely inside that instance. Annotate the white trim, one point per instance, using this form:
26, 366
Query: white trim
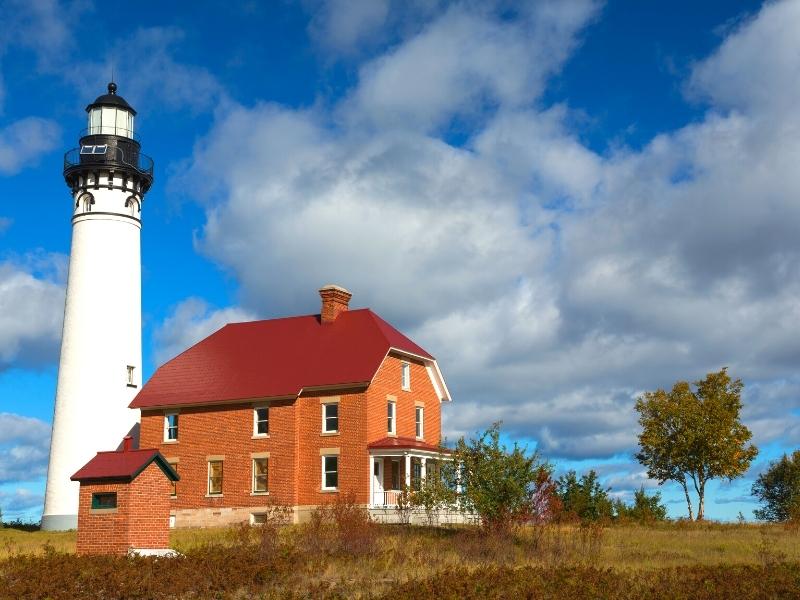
209, 493
394, 452
371, 481
323, 408
256, 408
393, 429
253, 490
436, 376
167, 415
405, 376
376, 480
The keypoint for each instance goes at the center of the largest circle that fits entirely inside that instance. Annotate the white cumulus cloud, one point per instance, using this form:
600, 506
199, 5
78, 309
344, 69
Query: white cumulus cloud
191, 321
553, 283
24, 448
31, 312
26, 141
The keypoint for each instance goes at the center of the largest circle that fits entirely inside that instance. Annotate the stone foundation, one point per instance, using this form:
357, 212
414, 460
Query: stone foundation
222, 517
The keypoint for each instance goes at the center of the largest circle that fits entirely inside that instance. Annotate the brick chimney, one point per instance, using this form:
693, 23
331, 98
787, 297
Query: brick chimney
334, 301
127, 442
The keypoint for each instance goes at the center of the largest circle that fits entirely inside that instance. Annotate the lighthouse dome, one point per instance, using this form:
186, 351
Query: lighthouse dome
111, 114
111, 99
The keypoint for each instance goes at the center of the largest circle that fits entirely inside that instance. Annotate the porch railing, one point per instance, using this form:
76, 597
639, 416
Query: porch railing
386, 498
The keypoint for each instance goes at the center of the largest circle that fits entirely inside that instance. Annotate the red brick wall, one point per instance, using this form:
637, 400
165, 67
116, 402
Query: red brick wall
351, 442
387, 382
294, 443
103, 532
226, 431
141, 519
148, 509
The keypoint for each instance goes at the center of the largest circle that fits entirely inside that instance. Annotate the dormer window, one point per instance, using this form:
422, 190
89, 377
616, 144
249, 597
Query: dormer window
405, 376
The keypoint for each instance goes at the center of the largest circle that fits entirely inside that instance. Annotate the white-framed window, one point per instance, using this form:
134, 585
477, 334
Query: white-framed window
419, 413
215, 478
391, 414
171, 427
258, 518
330, 472
330, 417
261, 475
405, 376
261, 421
131, 370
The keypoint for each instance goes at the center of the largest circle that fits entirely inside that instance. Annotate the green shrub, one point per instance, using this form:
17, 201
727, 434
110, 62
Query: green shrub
584, 497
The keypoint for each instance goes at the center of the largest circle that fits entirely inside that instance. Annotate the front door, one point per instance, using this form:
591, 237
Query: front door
377, 481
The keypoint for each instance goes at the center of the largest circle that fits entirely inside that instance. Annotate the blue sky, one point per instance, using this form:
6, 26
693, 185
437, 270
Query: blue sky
567, 203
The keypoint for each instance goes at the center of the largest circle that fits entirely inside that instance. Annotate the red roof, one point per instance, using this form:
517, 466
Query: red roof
276, 358
402, 443
123, 464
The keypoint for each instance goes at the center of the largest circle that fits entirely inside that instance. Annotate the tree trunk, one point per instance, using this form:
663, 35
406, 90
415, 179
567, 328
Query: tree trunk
701, 492
688, 498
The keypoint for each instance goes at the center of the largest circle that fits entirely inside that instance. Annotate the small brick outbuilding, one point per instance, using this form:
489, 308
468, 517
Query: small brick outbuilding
124, 501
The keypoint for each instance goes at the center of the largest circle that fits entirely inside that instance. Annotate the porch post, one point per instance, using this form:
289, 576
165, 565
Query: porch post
408, 470
371, 481
424, 469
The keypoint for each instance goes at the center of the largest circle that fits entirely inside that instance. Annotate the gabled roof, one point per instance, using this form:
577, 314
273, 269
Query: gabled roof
404, 443
123, 464
279, 358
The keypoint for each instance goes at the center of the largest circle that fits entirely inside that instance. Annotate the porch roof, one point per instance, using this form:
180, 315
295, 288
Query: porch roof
403, 443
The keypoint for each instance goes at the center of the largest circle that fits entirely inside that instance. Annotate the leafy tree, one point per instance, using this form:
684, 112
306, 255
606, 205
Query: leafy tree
778, 490
504, 487
645, 508
433, 494
693, 436
584, 497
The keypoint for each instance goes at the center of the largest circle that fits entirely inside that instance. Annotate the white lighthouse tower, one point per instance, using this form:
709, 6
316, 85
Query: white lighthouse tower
100, 368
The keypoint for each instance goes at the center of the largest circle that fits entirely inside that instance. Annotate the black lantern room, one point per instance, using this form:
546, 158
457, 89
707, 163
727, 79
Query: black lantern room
109, 149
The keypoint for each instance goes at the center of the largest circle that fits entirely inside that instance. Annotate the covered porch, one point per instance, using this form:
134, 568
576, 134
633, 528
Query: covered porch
397, 463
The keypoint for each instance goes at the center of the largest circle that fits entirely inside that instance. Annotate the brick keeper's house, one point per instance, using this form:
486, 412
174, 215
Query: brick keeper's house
294, 411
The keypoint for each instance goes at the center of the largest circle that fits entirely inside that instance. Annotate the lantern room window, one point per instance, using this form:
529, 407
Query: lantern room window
110, 120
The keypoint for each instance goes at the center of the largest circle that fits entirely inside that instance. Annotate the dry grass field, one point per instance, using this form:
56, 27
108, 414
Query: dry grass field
677, 560
616, 546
